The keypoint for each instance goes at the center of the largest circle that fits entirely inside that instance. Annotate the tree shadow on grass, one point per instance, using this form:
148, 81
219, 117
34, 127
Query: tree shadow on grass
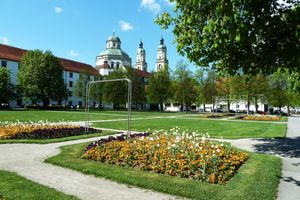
287, 147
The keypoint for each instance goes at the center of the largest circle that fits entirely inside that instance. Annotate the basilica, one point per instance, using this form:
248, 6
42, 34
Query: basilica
113, 57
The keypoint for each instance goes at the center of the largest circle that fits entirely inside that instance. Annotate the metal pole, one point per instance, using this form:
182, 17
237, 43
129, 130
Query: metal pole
88, 85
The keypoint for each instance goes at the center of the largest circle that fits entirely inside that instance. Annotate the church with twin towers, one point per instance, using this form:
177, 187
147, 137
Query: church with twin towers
113, 57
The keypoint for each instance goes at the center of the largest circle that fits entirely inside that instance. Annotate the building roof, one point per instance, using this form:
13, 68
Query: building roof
103, 66
113, 37
13, 53
141, 73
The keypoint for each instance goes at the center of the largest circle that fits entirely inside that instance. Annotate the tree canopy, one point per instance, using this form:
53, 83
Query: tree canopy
159, 88
6, 88
40, 77
251, 36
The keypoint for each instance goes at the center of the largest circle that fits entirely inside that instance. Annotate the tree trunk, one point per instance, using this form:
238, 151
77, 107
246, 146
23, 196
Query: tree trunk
248, 106
256, 106
46, 102
161, 107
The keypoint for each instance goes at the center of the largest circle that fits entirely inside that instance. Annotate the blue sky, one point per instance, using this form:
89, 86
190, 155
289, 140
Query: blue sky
78, 29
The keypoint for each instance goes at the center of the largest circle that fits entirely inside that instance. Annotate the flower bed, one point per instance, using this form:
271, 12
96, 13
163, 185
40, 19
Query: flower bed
261, 117
40, 130
217, 115
175, 153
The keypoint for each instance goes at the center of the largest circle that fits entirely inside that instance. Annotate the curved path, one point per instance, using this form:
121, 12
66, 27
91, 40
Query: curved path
27, 161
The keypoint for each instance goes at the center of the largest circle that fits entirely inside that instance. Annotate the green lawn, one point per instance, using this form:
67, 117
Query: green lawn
215, 128
55, 116
15, 187
258, 178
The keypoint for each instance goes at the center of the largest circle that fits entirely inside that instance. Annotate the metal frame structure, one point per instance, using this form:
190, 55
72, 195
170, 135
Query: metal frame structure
87, 102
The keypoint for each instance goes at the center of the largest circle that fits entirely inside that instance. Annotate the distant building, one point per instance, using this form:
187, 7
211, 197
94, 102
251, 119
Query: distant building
113, 57
161, 59
141, 63
10, 58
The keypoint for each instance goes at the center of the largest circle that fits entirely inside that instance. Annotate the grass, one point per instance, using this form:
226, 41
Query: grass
258, 178
55, 116
44, 141
13, 186
215, 128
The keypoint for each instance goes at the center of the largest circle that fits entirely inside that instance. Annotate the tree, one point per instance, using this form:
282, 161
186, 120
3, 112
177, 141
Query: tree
6, 88
40, 77
223, 89
116, 92
184, 85
278, 95
80, 86
96, 91
159, 88
249, 88
209, 90
138, 87
249, 36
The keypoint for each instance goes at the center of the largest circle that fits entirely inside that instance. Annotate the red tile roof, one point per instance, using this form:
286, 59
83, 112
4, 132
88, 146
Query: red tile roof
15, 54
103, 66
141, 73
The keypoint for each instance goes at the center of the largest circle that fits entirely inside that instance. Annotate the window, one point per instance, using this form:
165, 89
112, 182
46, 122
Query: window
70, 83
70, 94
118, 65
3, 63
70, 75
112, 64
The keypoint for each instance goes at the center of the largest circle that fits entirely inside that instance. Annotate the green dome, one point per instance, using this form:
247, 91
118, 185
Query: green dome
114, 52
113, 38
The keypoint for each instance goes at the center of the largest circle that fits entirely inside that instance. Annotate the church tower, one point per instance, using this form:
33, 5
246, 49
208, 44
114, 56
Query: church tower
141, 63
161, 59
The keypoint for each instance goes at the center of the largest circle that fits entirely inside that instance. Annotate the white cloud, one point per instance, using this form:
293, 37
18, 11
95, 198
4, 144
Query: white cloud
151, 5
125, 26
72, 53
169, 3
4, 40
57, 9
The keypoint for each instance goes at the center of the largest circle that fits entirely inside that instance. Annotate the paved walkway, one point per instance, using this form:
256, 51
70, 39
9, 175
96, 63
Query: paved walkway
27, 161
288, 149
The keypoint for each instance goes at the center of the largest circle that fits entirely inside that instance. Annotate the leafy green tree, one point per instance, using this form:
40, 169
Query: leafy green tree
209, 90
294, 89
184, 85
159, 88
138, 87
253, 36
278, 94
6, 88
96, 91
40, 77
116, 92
80, 86
249, 88
199, 77
223, 89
